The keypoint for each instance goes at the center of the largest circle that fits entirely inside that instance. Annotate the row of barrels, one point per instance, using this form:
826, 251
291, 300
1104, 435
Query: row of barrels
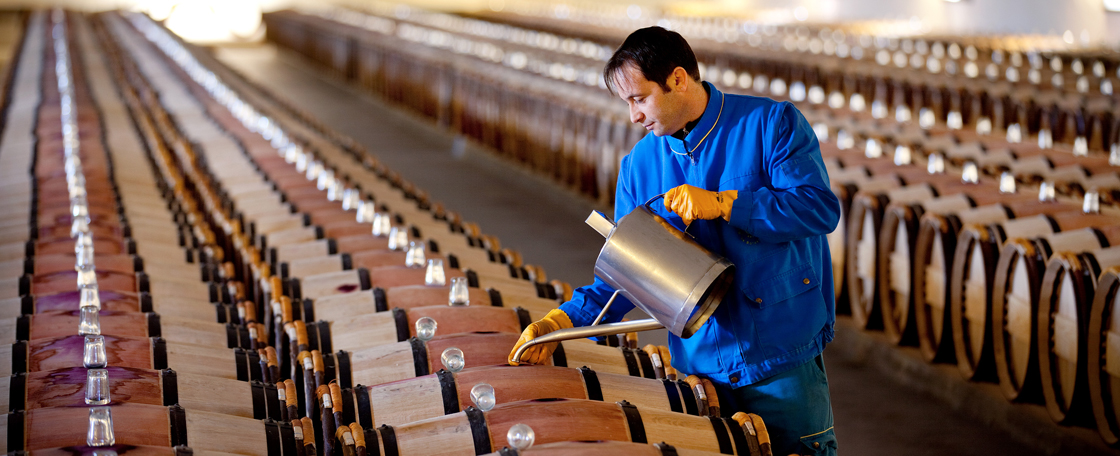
962, 59
983, 269
957, 102
885, 93
932, 259
578, 138
992, 54
285, 346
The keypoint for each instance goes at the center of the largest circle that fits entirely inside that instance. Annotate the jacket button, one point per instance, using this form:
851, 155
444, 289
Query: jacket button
816, 444
806, 281
734, 379
758, 300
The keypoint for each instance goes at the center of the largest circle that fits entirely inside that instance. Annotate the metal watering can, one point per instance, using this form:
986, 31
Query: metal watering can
661, 269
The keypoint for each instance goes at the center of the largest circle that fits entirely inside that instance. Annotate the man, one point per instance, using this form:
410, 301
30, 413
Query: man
745, 175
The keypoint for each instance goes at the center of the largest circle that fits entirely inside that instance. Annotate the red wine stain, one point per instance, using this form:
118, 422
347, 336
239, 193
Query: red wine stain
347, 288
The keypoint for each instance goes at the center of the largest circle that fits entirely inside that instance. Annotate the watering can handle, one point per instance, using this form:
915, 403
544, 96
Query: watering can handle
651, 200
662, 195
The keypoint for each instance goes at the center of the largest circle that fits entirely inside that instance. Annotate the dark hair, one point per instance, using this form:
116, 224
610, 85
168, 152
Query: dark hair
654, 51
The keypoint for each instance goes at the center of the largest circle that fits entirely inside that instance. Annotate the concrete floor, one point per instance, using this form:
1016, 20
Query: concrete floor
886, 401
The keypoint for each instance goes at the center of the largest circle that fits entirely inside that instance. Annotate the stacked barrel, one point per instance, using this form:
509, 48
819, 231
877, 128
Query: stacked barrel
244, 281
978, 181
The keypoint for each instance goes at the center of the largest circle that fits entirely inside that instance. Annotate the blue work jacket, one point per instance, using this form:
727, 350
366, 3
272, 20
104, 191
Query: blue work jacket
781, 309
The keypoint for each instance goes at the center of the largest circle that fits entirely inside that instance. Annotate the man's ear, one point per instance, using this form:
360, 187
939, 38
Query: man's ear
680, 78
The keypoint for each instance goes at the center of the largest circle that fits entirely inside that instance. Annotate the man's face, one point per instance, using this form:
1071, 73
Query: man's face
661, 112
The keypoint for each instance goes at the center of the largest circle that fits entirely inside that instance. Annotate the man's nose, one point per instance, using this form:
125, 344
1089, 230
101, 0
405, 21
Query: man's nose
636, 116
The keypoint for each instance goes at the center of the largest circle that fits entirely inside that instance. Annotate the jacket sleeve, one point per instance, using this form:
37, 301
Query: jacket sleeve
588, 301
798, 202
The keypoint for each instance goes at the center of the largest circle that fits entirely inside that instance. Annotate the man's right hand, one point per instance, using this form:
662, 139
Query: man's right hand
539, 354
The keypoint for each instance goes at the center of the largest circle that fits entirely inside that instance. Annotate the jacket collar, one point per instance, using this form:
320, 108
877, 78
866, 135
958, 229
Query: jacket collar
707, 123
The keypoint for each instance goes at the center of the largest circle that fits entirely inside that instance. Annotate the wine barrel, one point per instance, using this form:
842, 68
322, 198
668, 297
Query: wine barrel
130, 450
110, 301
58, 324
845, 182
67, 388
895, 266
344, 306
1066, 302
561, 420
272, 222
601, 448
291, 236
312, 249
341, 306
51, 264
398, 325
1103, 356
343, 282
369, 259
152, 425
135, 352
1016, 294
443, 393
973, 274
310, 266
414, 358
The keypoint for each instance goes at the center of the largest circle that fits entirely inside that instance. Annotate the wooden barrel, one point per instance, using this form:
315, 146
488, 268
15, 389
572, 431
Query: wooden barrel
361, 279
312, 249
152, 425
51, 264
1016, 295
1065, 308
111, 301
845, 185
561, 420
130, 450
443, 393
343, 306
602, 448
895, 267
414, 358
292, 236
57, 324
66, 281
134, 352
67, 388
398, 325
369, 259
1103, 356
973, 274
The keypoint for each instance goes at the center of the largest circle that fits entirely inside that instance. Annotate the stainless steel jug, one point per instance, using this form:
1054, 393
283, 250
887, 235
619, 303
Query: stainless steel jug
661, 269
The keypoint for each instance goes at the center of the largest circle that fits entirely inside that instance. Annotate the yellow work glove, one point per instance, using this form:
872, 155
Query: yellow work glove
539, 354
695, 203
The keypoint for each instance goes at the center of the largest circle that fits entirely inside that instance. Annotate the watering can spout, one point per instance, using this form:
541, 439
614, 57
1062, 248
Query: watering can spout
600, 223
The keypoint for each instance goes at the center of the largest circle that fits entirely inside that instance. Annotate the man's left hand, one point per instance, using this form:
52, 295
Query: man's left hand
695, 203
